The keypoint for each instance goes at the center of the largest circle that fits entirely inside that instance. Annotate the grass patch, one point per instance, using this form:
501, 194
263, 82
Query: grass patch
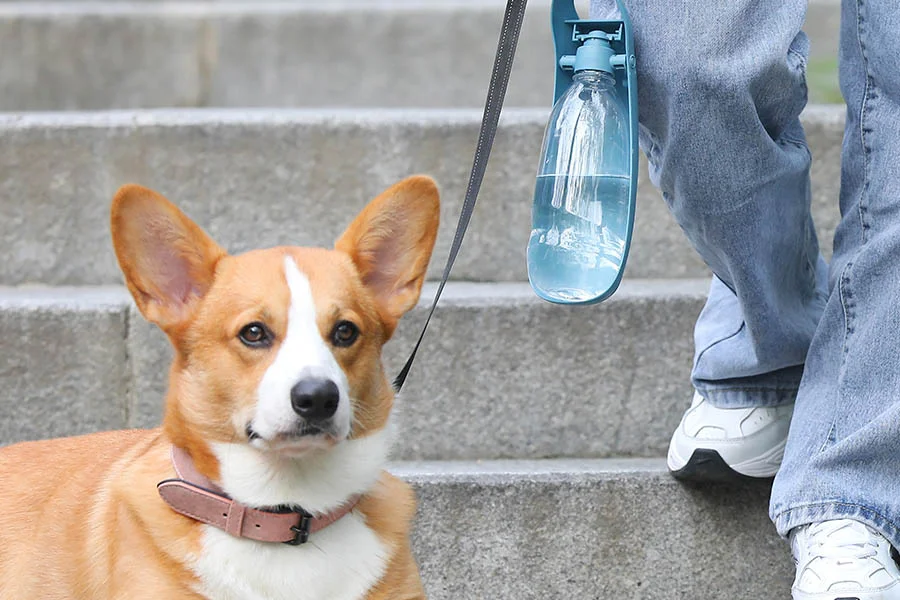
822, 80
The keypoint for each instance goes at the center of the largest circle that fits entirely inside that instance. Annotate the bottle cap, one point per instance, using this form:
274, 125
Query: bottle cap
594, 54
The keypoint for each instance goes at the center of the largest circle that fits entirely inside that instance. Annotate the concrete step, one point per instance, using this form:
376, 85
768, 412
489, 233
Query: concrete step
64, 362
605, 529
267, 177
434, 53
500, 374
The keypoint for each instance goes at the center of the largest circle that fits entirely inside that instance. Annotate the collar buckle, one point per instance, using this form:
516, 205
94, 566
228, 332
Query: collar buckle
301, 529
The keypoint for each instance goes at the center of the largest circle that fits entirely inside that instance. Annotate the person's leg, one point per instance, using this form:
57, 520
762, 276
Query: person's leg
843, 455
721, 86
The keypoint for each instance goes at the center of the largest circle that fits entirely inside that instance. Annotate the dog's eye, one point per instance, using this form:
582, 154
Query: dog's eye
255, 335
344, 334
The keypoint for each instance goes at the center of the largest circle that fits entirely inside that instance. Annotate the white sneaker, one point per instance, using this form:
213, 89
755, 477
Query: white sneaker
714, 444
843, 560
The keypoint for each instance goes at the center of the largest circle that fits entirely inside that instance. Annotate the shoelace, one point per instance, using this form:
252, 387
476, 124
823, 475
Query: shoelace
842, 541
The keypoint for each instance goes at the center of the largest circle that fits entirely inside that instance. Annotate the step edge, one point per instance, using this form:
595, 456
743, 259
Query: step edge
456, 293
204, 9
826, 114
532, 470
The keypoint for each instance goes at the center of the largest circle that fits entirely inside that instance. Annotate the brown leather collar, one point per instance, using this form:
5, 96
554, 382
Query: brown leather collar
196, 496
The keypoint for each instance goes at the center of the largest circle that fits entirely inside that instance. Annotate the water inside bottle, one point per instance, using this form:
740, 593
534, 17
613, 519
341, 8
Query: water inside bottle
574, 252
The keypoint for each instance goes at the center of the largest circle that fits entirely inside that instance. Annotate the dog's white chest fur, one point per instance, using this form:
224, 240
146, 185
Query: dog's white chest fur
341, 562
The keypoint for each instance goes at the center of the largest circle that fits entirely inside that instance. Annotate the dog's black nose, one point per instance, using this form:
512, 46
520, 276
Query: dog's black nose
315, 399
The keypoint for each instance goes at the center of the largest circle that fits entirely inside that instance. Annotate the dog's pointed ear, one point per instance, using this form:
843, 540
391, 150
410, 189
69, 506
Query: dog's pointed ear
168, 260
391, 241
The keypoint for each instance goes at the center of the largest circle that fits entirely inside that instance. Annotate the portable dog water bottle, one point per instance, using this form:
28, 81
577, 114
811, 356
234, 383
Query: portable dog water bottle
587, 177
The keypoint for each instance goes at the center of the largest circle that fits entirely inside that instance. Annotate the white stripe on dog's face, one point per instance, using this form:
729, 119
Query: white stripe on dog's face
302, 354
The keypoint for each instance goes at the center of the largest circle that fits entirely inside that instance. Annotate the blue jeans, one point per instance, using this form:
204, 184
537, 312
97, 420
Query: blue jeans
721, 86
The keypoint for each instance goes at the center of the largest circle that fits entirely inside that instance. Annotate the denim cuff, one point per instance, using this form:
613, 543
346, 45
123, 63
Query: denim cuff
804, 514
730, 396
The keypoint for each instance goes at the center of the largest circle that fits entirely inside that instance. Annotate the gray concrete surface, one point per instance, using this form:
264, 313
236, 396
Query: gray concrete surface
63, 364
94, 55
134, 55
500, 375
263, 178
823, 24
591, 529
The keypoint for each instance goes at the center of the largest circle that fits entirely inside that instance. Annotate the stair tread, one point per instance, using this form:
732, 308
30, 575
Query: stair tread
548, 469
455, 292
303, 174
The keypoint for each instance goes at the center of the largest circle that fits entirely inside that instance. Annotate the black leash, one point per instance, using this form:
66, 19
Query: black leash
506, 51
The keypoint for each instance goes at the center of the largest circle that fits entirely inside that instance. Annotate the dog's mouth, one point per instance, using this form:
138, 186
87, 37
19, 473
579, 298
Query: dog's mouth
303, 440
296, 447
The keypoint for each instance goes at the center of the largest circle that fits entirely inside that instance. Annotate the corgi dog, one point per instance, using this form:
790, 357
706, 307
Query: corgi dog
266, 478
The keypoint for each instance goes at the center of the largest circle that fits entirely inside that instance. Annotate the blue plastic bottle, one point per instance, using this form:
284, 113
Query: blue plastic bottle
582, 192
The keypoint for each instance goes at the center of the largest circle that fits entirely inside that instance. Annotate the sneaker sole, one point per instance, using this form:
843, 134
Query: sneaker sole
886, 594
707, 465
882, 594
831, 596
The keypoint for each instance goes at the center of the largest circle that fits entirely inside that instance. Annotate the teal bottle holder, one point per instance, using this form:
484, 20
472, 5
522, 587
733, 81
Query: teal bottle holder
583, 44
